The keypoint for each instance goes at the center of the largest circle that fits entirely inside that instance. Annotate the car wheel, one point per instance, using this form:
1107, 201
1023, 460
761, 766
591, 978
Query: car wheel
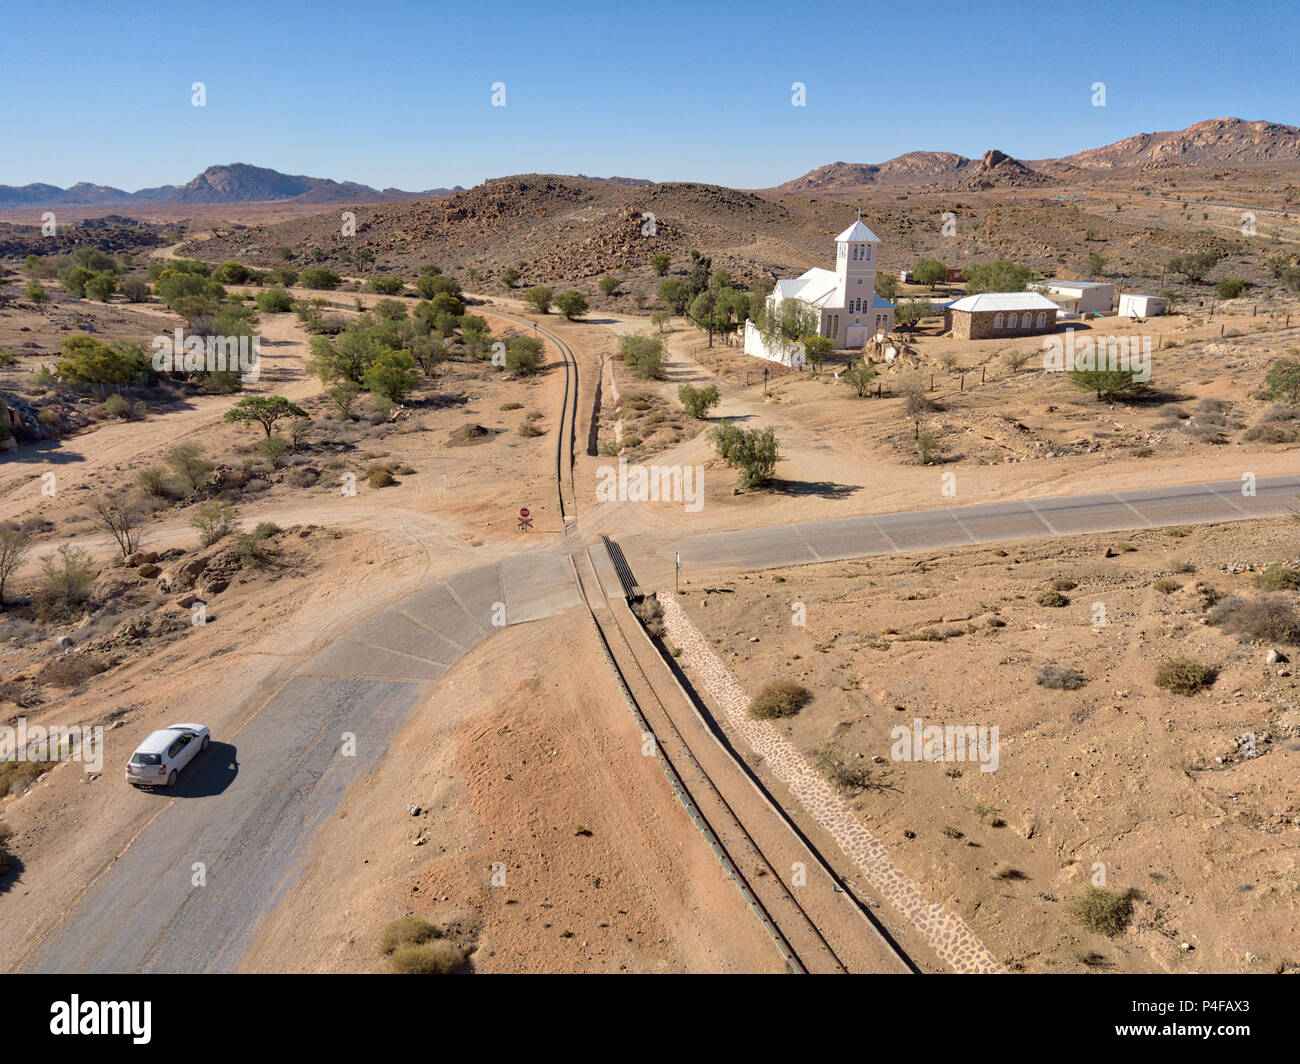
171, 780
203, 745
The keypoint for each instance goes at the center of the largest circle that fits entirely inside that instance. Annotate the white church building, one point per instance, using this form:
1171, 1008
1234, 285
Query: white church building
845, 300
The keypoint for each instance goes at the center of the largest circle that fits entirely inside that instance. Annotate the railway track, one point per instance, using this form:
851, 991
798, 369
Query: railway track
757, 845
566, 434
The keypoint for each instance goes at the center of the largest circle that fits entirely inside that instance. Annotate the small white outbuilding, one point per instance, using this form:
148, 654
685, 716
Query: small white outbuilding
1135, 305
1094, 297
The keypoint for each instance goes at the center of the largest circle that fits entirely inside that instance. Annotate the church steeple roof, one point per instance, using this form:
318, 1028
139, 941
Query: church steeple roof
857, 232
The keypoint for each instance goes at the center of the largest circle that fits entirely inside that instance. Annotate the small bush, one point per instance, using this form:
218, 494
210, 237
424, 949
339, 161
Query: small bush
1061, 678
529, 428
438, 957
71, 670
1064, 583
780, 698
1279, 578
846, 776
1166, 585
409, 930
651, 615
379, 477
116, 406
1107, 912
1271, 617
1053, 599
215, 521
1183, 676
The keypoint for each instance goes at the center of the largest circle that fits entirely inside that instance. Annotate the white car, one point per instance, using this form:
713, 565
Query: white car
159, 759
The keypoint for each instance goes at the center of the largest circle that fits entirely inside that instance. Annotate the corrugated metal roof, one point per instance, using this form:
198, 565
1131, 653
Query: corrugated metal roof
1005, 301
857, 231
1078, 284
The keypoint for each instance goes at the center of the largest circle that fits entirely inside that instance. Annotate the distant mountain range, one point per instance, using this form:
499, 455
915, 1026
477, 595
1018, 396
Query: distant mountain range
1225, 141
1230, 141
235, 183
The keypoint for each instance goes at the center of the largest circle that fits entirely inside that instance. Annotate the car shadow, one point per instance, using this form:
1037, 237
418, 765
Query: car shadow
209, 774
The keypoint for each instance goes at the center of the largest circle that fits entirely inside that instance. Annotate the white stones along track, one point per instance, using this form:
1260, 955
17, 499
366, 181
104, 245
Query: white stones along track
947, 933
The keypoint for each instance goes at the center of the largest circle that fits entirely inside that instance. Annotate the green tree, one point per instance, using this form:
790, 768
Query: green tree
572, 304
754, 452
1231, 289
214, 521
1116, 384
523, 355
188, 465
659, 319
660, 263
231, 273
14, 544
816, 349
319, 277
540, 297
930, 272
101, 286
1196, 265
909, 312
36, 293
1282, 381
697, 402
392, 375
609, 285
134, 289
887, 286
997, 276
860, 376
644, 355
510, 277
274, 301
675, 294
1096, 264
264, 410
384, 285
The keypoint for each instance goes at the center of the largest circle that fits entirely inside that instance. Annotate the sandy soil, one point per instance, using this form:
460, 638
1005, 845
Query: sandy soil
1150, 784
542, 782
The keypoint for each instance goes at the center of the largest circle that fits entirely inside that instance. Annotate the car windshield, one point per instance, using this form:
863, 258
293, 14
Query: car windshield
146, 759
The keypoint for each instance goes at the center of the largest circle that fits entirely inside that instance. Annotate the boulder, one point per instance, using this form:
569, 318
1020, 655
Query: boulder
183, 575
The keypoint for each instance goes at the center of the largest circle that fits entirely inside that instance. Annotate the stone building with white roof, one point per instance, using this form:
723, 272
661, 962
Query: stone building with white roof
990, 315
848, 310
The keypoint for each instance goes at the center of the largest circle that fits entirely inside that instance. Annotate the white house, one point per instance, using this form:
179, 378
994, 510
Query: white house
1133, 305
845, 300
1087, 297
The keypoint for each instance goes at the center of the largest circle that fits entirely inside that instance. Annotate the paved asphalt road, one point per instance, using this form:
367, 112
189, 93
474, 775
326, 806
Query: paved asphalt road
961, 526
248, 808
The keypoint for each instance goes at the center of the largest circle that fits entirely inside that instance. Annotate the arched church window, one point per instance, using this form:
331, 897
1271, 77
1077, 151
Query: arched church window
1042, 319
1011, 321
997, 320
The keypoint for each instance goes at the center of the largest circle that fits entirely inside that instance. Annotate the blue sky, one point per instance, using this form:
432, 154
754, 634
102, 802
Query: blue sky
399, 94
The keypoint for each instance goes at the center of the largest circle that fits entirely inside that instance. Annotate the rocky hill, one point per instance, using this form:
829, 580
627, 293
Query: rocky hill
1217, 140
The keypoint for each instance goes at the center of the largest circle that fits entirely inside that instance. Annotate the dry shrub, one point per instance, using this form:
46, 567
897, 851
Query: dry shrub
1108, 912
1272, 618
780, 698
71, 670
379, 477
1279, 578
408, 930
1053, 598
1061, 678
1184, 676
438, 957
651, 615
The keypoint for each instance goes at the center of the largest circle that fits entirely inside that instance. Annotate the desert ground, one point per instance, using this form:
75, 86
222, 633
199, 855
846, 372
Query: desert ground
523, 758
